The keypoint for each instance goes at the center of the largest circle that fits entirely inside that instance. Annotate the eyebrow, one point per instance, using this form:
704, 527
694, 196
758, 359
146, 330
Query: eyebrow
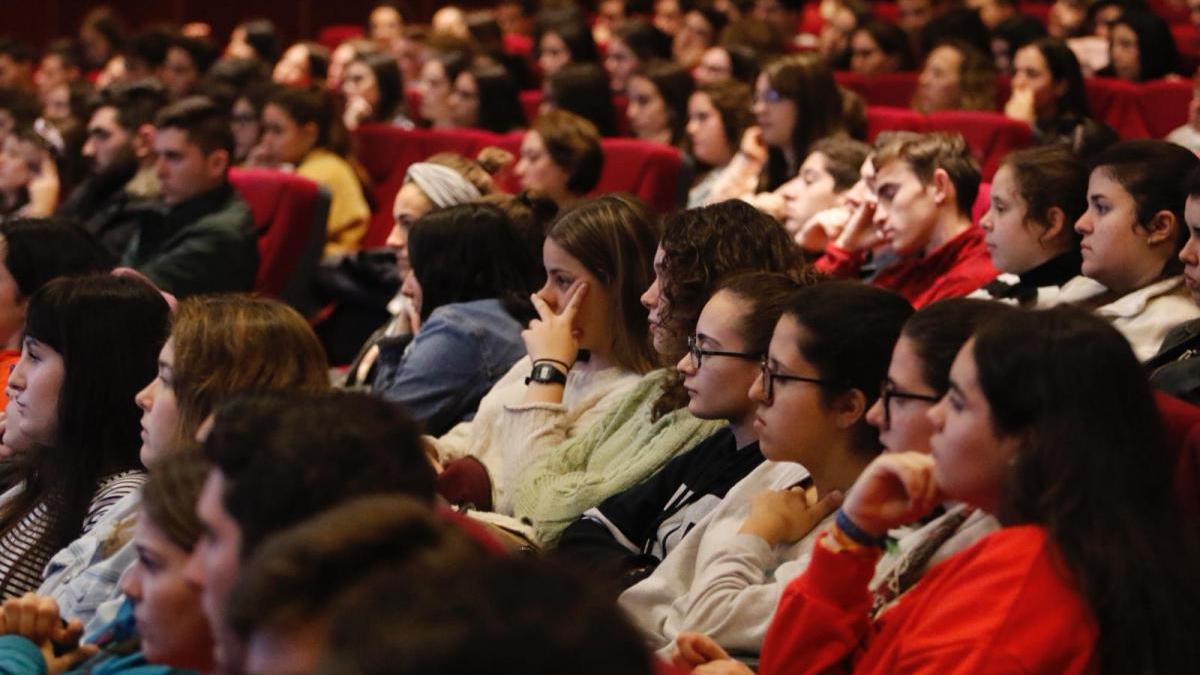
701, 337
954, 388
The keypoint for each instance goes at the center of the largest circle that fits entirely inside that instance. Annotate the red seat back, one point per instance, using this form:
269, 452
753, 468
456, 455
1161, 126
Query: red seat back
290, 215
982, 202
332, 36
886, 89
386, 151
650, 171
990, 135
1182, 422
1116, 104
1164, 105
886, 118
531, 101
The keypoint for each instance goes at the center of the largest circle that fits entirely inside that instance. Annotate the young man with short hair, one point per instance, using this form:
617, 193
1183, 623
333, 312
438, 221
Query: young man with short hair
205, 241
919, 223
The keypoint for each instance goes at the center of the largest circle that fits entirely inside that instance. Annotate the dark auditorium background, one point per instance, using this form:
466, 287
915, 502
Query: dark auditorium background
40, 21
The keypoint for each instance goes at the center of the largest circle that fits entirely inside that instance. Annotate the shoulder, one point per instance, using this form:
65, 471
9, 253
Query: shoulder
322, 165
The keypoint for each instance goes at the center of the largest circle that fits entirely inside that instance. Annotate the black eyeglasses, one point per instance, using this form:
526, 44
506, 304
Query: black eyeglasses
888, 391
769, 377
698, 354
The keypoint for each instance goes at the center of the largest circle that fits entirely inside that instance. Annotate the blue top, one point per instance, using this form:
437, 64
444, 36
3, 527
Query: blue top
120, 653
456, 357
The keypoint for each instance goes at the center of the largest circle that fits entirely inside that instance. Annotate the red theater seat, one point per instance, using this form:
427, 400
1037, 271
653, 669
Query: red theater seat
531, 100
1038, 10
1164, 105
412, 98
290, 213
332, 36
888, 89
1182, 422
885, 118
990, 135
887, 12
386, 151
649, 170
1116, 104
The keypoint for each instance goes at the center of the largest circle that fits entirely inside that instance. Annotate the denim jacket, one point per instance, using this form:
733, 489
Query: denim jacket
454, 359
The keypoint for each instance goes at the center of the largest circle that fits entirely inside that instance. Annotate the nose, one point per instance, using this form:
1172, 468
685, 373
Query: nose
758, 391
131, 585
937, 414
650, 298
684, 365
875, 414
89, 148
145, 398
1084, 224
546, 293
193, 569
1190, 253
398, 238
986, 221
16, 379
521, 167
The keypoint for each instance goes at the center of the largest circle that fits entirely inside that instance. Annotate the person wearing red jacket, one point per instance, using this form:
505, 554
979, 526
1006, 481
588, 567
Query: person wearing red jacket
919, 223
1075, 582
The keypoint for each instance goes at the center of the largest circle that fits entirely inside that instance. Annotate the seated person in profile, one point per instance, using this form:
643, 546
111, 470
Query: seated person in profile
120, 153
204, 241
919, 226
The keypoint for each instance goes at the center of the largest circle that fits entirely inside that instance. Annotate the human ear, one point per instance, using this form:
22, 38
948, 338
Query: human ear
217, 162
943, 187
1056, 223
1162, 227
143, 141
849, 408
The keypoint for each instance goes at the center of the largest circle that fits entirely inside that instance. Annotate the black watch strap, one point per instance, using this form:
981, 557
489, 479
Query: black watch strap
546, 373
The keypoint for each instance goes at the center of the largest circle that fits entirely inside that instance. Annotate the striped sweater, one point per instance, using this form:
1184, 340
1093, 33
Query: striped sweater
23, 551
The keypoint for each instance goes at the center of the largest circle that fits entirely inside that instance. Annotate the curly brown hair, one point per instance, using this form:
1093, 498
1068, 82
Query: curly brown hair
701, 247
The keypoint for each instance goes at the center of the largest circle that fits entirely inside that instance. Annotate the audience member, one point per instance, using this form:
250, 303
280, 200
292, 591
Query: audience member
33, 252
301, 129
582, 89
279, 460
1173, 368
304, 64
563, 40
956, 76
484, 96
598, 261
829, 171
187, 60
878, 47
718, 116
16, 64
658, 93
726, 62
698, 33
821, 374
1011, 35
1133, 230
438, 76
205, 241
627, 535
373, 89
89, 344
470, 282
926, 185
635, 43
561, 158
652, 420
219, 346
1036, 197
1141, 48
256, 39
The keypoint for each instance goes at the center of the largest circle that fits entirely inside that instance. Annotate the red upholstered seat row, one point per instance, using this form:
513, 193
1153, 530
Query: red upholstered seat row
1149, 110
290, 216
990, 136
647, 170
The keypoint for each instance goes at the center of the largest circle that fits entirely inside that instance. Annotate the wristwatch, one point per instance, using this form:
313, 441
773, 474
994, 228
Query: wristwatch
546, 373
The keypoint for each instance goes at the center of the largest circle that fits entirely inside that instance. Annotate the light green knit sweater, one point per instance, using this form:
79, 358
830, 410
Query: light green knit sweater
617, 452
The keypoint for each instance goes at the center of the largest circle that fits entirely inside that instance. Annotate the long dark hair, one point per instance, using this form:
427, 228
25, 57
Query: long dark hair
1089, 418
390, 82
938, 330
674, 85
1064, 68
850, 329
500, 109
574, 33
472, 252
108, 331
582, 88
1157, 54
807, 81
317, 106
